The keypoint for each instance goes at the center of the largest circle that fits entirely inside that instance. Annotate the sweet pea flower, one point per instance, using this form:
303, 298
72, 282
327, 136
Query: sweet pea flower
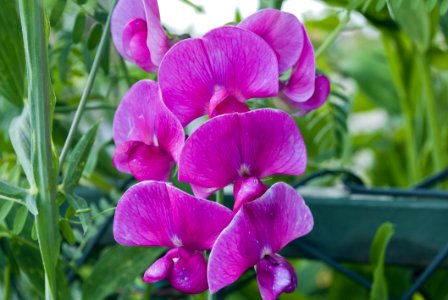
304, 90
148, 136
158, 214
138, 34
216, 74
258, 231
242, 148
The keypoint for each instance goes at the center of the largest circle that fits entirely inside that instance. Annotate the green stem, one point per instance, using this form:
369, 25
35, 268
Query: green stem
32, 17
6, 281
220, 197
86, 91
431, 113
18, 201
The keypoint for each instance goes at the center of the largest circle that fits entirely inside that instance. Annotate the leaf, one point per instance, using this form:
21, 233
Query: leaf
12, 62
5, 209
20, 219
377, 256
78, 27
9, 190
67, 231
30, 201
20, 134
94, 36
444, 8
77, 159
57, 12
415, 22
126, 262
79, 203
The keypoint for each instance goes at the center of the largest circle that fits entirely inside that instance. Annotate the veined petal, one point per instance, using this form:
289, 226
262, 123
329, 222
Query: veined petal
281, 30
227, 60
320, 95
300, 86
142, 116
149, 163
157, 214
275, 275
260, 228
258, 143
157, 40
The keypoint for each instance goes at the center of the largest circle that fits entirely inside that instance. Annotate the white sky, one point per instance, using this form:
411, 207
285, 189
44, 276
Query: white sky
180, 18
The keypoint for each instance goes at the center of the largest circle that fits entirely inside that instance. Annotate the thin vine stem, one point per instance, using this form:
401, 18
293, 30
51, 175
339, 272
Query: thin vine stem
15, 200
87, 90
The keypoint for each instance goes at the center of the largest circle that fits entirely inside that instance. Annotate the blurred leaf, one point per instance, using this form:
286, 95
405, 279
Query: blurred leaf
10, 190
30, 201
5, 209
377, 256
20, 219
78, 27
94, 36
57, 12
77, 159
67, 231
12, 56
81, 2
20, 133
79, 203
444, 7
126, 262
415, 22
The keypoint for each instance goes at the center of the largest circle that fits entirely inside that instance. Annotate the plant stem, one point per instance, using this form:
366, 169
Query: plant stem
220, 196
32, 17
431, 113
86, 91
6, 281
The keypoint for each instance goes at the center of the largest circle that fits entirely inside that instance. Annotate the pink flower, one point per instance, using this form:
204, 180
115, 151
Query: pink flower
137, 33
242, 148
258, 231
148, 136
304, 90
216, 74
158, 214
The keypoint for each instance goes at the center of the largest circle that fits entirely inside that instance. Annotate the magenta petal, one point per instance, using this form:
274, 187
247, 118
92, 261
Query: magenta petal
157, 40
281, 30
157, 214
189, 272
320, 95
134, 42
260, 228
161, 268
300, 86
142, 116
259, 143
247, 189
275, 275
149, 163
121, 156
227, 60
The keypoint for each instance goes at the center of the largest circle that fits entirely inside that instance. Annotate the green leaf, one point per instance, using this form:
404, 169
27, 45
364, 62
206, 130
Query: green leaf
5, 209
30, 201
79, 203
67, 231
126, 262
78, 27
12, 62
57, 12
20, 133
9, 190
20, 219
81, 2
415, 22
444, 8
377, 255
94, 36
77, 159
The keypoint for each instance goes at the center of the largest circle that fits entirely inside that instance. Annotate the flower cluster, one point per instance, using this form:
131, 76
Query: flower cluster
214, 75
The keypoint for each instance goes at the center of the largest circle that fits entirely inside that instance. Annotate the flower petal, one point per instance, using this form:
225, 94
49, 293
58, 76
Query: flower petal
157, 214
320, 95
275, 275
300, 86
281, 30
259, 143
121, 156
157, 40
149, 163
142, 116
247, 189
260, 228
134, 43
226, 60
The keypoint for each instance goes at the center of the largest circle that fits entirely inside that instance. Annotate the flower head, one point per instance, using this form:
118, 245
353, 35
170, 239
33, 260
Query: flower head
158, 214
242, 148
148, 136
137, 33
258, 231
216, 74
